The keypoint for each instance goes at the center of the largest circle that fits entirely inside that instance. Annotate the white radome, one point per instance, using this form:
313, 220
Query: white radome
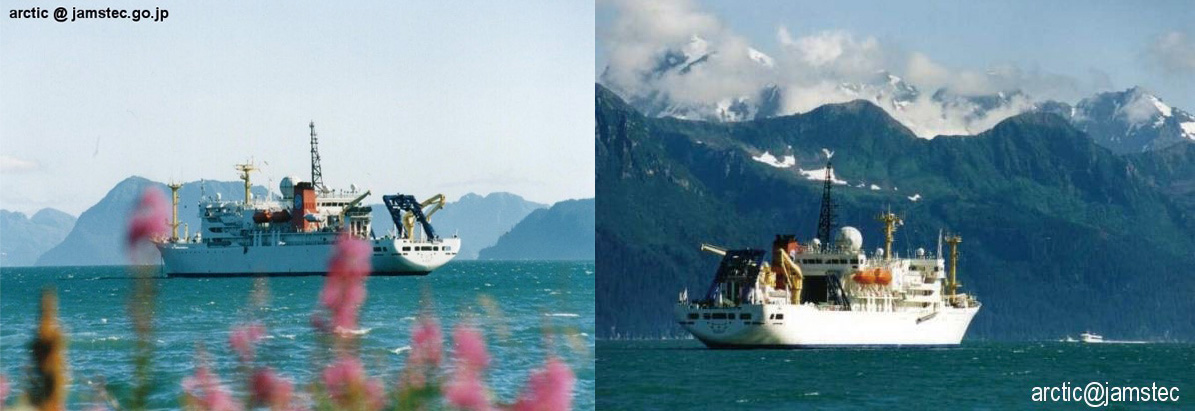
849, 238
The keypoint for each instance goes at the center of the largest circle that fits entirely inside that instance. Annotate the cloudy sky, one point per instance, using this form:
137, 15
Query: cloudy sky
414, 97
1060, 50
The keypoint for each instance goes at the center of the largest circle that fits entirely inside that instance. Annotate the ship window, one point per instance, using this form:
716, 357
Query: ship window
772, 316
436, 248
377, 248
447, 248
692, 316
744, 316
854, 261
779, 316
719, 316
706, 316
406, 248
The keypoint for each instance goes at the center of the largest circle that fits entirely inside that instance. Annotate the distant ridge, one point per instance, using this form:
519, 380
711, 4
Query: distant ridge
23, 240
98, 235
563, 232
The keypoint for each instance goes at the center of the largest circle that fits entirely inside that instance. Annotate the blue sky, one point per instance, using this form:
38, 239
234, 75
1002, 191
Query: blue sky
1099, 45
414, 97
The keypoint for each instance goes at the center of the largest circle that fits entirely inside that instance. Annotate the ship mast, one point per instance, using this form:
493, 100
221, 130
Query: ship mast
245, 169
825, 221
953, 241
317, 174
890, 221
174, 210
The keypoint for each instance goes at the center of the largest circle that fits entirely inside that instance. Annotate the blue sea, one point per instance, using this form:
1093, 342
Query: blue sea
525, 309
684, 375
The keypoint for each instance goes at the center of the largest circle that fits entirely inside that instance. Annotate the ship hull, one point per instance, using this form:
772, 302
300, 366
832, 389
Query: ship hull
388, 258
791, 326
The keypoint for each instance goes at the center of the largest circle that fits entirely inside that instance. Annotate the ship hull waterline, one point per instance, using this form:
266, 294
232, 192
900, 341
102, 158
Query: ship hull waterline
387, 259
804, 327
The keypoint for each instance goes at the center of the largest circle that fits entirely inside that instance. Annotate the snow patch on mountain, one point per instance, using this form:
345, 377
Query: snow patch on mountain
820, 175
771, 160
1188, 129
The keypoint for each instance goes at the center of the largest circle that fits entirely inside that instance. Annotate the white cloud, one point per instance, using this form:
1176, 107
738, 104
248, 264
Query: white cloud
10, 164
1174, 52
810, 71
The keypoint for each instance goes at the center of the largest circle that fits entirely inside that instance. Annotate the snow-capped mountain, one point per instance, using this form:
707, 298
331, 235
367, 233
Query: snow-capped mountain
886, 90
1129, 121
648, 94
689, 81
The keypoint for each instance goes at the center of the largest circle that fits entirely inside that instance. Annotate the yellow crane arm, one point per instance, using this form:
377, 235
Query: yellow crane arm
343, 211
408, 220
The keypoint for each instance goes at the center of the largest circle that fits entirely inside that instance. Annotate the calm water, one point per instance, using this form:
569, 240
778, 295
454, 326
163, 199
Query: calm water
516, 303
676, 375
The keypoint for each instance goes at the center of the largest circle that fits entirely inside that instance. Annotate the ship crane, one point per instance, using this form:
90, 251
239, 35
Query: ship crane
344, 221
408, 220
397, 204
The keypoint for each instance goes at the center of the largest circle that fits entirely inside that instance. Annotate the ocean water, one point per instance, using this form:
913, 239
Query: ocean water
525, 309
683, 375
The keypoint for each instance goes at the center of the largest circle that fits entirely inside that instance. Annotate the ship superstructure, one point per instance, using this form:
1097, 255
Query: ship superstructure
830, 294
294, 234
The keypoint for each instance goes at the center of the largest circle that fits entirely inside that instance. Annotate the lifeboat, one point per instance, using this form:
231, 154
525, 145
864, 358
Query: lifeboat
864, 277
883, 276
261, 216
280, 216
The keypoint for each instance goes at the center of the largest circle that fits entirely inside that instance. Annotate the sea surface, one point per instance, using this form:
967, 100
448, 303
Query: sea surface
525, 309
683, 375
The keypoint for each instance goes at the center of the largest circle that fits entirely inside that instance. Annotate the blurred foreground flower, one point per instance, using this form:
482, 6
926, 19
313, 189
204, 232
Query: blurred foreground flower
466, 390
48, 379
549, 389
344, 287
203, 391
149, 220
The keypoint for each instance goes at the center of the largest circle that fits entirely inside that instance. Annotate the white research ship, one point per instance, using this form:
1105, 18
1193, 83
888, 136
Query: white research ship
294, 236
830, 294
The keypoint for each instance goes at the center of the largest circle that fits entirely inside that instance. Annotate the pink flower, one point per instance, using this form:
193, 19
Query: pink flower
470, 347
344, 287
347, 384
466, 391
243, 339
270, 389
203, 390
150, 220
549, 389
426, 343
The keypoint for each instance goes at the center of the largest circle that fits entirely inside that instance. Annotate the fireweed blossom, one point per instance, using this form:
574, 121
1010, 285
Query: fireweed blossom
203, 391
344, 287
270, 389
149, 222
548, 389
465, 389
349, 387
243, 340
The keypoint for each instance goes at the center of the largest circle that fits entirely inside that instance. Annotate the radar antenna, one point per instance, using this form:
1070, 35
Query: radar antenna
825, 222
317, 174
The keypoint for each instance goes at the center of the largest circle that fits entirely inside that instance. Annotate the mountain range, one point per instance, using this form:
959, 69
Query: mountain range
562, 232
1061, 235
23, 239
54, 238
1133, 120
97, 238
